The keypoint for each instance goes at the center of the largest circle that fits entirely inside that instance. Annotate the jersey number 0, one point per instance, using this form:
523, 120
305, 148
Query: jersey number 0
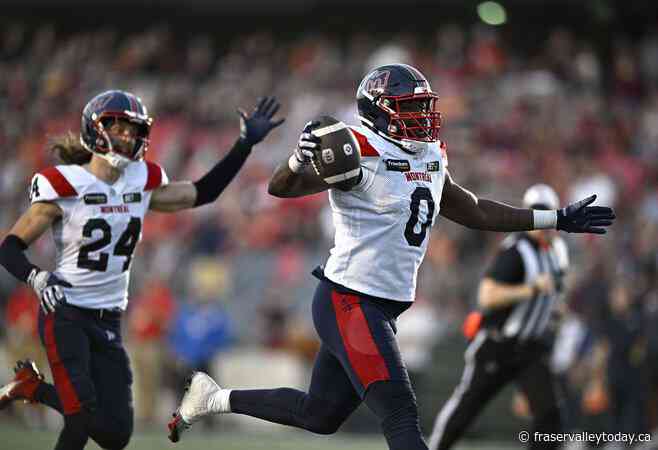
416, 239
125, 245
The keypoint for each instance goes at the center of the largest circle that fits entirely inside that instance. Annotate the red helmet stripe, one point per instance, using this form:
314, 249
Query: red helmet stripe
133, 104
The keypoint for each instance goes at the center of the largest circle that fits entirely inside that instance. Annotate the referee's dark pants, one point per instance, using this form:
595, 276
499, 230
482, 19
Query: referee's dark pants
92, 377
490, 365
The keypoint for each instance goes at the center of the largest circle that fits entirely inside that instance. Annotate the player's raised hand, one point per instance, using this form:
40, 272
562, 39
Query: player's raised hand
580, 218
255, 126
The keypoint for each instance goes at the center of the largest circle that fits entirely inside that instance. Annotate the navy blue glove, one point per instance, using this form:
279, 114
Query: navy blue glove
580, 218
255, 126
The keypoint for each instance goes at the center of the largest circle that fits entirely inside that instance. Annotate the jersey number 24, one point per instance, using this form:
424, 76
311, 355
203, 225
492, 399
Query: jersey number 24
125, 246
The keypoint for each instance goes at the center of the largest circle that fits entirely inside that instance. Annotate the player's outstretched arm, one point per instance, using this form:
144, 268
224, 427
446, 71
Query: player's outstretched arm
253, 129
463, 207
296, 176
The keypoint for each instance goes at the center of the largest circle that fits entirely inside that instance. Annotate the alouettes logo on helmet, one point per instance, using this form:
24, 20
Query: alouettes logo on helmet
377, 82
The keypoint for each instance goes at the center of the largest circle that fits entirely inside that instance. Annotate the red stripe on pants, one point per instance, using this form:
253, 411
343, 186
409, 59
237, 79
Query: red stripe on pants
65, 390
362, 352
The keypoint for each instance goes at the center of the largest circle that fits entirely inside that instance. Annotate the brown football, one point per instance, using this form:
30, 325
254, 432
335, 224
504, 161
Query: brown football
338, 162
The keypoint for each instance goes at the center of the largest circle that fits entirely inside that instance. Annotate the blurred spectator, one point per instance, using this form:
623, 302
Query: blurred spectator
624, 337
21, 322
202, 326
149, 319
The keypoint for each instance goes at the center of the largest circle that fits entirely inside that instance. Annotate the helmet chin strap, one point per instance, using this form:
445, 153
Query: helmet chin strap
116, 160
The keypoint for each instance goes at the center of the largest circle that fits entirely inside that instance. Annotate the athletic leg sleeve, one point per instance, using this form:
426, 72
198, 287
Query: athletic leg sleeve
394, 403
74, 434
330, 400
288, 407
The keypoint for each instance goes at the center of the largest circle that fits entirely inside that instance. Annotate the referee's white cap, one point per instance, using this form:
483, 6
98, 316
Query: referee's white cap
541, 196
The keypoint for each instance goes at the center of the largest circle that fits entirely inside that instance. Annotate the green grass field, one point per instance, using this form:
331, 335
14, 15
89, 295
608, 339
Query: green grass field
15, 437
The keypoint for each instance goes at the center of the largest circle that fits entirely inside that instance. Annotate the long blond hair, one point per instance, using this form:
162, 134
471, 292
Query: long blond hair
68, 149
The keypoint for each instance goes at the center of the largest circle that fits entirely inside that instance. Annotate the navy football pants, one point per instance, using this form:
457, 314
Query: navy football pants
359, 360
92, 377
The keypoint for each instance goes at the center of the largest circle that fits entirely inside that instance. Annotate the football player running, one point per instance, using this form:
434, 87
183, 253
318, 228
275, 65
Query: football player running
382, 220
95, 204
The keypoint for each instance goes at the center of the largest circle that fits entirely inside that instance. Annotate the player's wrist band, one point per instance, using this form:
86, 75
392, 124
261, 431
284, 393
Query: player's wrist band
295, 165
544, 220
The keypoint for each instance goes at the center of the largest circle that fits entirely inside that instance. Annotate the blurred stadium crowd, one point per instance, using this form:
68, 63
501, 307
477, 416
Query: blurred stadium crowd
237, 274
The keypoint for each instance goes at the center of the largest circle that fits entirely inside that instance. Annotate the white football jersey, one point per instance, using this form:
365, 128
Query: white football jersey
100, 227
383, 224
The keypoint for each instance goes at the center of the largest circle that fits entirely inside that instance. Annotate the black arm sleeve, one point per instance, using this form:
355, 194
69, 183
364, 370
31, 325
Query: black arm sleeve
507, 267
12, 257
215, 181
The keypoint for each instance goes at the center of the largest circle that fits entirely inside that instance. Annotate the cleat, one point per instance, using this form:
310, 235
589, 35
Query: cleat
26, 380
198, 390
176, 427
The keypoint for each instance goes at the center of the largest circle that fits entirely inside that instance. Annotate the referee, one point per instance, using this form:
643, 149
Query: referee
512, 337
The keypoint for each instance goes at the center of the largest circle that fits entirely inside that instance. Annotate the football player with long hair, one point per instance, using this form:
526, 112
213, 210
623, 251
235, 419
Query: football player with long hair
95, 205
383, 220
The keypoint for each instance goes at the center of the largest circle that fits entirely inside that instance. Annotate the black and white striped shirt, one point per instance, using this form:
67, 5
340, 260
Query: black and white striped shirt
521, 260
